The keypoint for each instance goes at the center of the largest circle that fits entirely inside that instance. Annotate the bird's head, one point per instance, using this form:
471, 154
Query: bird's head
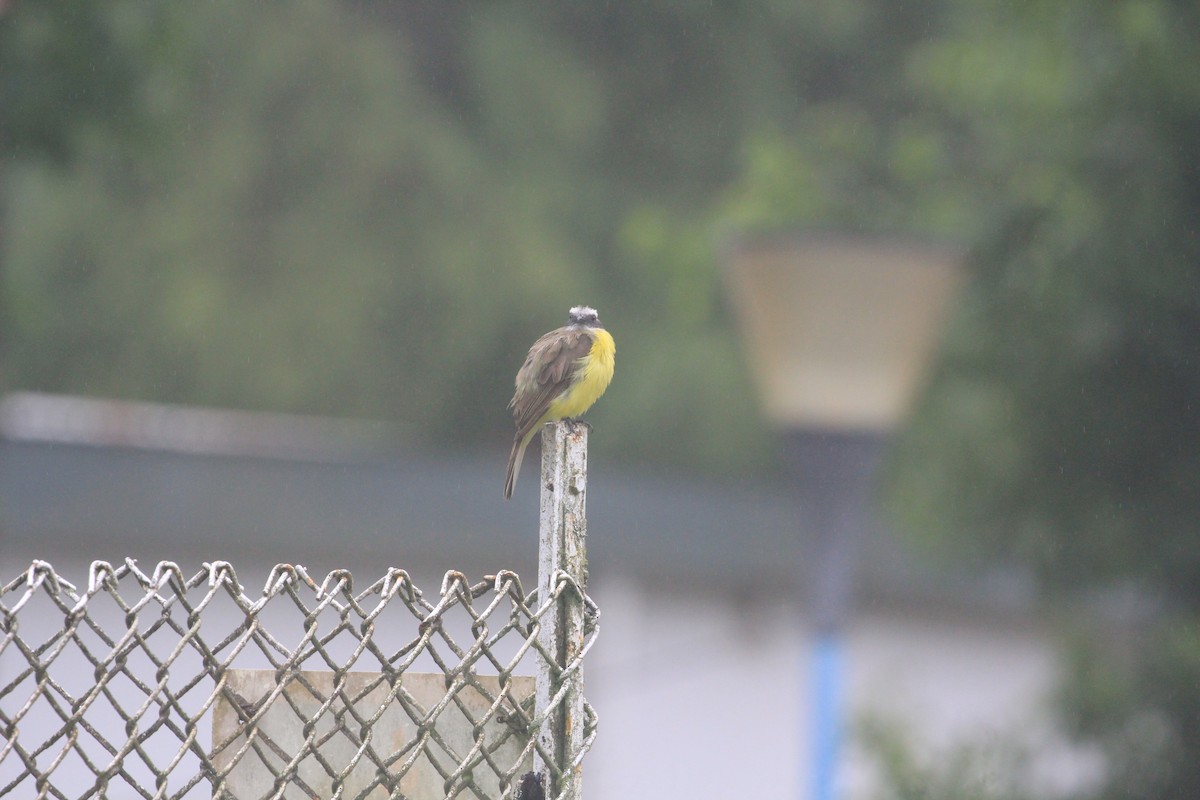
583, 315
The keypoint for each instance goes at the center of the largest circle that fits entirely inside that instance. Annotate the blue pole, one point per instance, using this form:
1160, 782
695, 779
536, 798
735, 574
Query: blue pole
826, 712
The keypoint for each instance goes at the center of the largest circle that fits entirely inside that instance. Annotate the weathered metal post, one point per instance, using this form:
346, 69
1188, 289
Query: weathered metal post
563, 550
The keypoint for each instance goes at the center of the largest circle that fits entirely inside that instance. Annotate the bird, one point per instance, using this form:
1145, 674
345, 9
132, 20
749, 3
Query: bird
564, 373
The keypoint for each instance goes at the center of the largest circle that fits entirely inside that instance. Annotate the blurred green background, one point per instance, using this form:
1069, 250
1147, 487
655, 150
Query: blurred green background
368, 208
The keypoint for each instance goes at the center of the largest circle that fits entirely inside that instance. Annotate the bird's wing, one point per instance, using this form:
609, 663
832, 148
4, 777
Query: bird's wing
546, 373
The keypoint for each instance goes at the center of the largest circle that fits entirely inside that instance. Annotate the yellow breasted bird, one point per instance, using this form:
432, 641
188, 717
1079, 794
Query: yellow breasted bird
565, 372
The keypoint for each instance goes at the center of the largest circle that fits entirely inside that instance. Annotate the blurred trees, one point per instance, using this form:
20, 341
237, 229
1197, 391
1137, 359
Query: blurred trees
68, 70
312, 232
372, 208
992, 770
1061, 142
1062, 426
69, 73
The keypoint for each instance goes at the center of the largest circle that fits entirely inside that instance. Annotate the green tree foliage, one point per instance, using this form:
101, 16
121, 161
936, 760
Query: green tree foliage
1061, 428
994, 769
1084, 326
372, 208
67, 69
315, 235
1061, 142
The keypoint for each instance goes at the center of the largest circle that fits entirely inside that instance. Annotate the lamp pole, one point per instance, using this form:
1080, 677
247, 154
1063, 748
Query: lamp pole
838, 331
835, 471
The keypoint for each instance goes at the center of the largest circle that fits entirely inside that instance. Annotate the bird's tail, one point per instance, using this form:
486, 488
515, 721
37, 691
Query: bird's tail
514, 462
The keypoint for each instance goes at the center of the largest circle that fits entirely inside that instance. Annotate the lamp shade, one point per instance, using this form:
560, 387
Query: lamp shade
839, 329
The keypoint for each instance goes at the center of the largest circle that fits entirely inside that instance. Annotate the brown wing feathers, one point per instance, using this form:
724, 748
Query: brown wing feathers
546, 373
556, 353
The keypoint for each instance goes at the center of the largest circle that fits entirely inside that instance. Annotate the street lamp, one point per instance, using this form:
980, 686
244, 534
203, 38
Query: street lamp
838, 331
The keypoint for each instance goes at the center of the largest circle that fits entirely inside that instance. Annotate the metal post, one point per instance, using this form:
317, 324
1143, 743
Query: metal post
562, 549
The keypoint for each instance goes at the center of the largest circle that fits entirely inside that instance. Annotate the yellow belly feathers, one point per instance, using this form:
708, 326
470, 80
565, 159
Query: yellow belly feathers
593, 374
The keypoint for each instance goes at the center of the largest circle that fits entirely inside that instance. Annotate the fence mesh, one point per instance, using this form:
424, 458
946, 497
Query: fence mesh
160, 685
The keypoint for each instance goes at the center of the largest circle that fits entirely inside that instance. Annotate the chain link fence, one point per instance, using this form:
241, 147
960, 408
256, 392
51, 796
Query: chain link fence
161, 685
